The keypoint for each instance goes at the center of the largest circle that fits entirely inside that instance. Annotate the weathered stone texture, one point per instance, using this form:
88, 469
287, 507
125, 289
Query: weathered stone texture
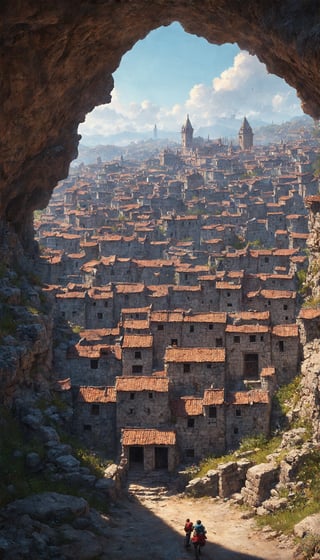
58, 61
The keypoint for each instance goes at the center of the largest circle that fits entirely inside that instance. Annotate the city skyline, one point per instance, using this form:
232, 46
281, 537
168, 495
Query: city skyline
171, 74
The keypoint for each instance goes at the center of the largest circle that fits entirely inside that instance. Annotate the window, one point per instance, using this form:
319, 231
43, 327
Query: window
238, 412
174, 342
95, 409
94, 303
266, 259
285, 307
261, 338
228, 294
235, 430
63, 314
106, 304
252, 338
190, 422
150, 395
190, 453
229, 304
137, 355
87, 428
251, 366
209, 365
213, 412
186, 368
219, 342
160, 328
191, 328
281, 346
137, 369
236, 339
94, 364
131, 410
210, 327
131, 396
99, 315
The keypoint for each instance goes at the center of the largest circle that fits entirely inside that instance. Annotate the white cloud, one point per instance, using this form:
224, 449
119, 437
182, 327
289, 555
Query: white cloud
245, 88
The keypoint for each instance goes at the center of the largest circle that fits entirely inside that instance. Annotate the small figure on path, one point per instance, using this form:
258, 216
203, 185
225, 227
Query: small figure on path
188, 528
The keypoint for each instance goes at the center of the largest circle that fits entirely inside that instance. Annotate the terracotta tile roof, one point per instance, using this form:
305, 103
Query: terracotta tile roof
247, 329
130, 310
187, 406
137, 341
140, 436
71, 295
251, 315
89, 351
213, 397
267, 372
129, 288
286, 330
278, 294
306, 313
227, 286
62, 384
285, 252
97, 394
198, 355
136, 324
247, 397
142, 383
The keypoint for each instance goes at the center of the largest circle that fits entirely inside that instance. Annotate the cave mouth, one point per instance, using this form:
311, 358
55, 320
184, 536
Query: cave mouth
59, 61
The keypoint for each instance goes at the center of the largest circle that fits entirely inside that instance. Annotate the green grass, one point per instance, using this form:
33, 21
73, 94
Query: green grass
260, 447
304, 502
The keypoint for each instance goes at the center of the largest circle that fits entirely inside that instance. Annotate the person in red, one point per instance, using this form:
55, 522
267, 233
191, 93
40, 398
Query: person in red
188, 528
199, 533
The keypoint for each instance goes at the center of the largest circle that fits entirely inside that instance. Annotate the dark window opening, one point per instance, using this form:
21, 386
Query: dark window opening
95, 409
94, 364
106, 304
210, 327
131, 410
212, 412
137, 355
190, 422
174, 342
266, 259
261, 338
236, 339
238, 411
235, 430
252, 338
285, 307
99, 315
219, 342
281, 346
209, 365
229, 304
131, 396
186, 368
251, 366
191, 328
87, 428
160, 327
137, 369
150, 395
190, 453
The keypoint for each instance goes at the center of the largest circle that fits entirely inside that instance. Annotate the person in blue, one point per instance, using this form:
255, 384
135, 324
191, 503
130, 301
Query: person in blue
199, 534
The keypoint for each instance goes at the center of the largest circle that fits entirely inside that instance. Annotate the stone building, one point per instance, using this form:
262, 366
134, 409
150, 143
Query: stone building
245, 135
187, 135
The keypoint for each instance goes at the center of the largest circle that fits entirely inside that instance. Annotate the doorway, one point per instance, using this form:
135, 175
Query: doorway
161, 457
136, 456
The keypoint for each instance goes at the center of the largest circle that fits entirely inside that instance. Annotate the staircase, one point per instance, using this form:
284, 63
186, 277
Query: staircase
148, 486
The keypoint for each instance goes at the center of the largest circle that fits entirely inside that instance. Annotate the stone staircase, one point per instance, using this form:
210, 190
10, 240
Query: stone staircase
148, 486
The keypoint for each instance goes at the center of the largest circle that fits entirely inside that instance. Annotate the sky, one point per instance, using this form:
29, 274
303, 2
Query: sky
171, 73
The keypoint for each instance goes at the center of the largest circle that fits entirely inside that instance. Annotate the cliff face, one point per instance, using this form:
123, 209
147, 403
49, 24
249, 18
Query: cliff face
58, 59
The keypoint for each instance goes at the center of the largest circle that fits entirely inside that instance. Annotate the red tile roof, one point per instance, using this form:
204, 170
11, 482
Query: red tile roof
97, 394
247, 328
286, 330
309, 313
213, 397
142, 383
198, 355
137, 341
248, 397
141, 436
187, 406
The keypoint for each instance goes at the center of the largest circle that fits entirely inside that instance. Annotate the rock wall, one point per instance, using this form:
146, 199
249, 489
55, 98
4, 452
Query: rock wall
58, 59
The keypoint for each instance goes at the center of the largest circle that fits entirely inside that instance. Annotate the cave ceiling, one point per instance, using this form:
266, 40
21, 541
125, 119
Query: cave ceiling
57, 61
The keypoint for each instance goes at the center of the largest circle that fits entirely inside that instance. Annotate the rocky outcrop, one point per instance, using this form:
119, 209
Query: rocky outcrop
58, 60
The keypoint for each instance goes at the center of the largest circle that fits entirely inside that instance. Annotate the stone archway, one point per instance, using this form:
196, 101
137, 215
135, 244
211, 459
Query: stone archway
57, 62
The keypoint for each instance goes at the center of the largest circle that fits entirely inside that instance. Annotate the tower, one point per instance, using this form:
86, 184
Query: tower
187, 134
155, 132
245, 135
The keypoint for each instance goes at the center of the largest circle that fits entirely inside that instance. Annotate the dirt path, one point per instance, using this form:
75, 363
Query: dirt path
151, 526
